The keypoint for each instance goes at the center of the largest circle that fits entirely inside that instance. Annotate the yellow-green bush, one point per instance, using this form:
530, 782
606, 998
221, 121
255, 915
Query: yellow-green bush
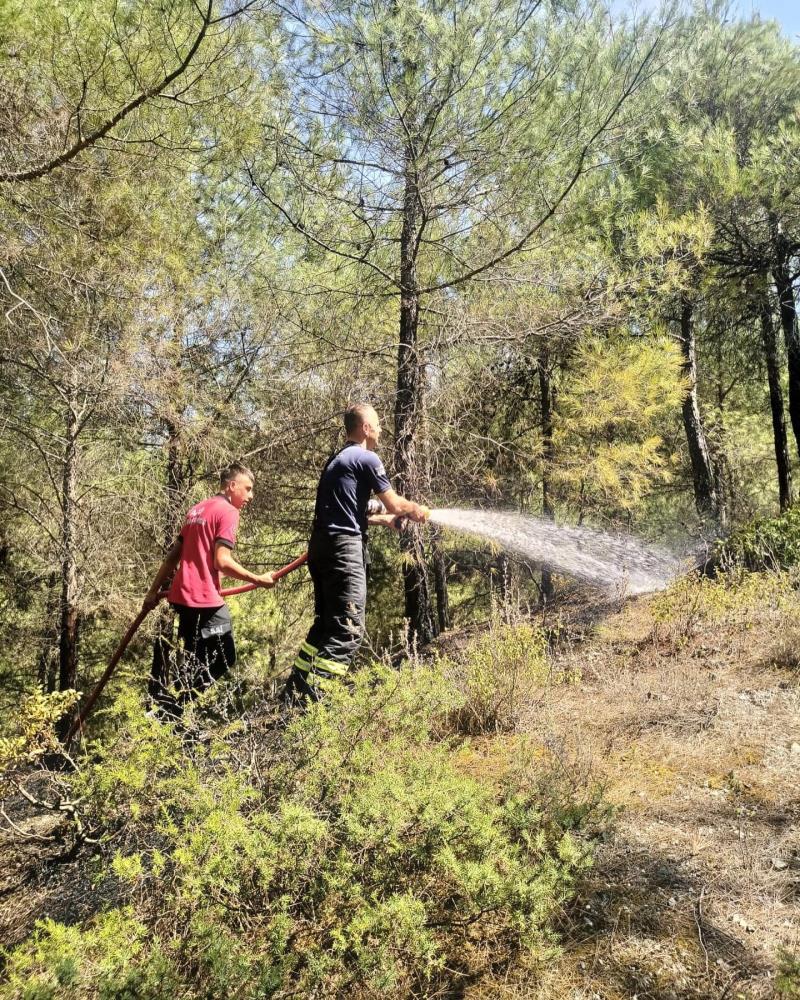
496, 674
342, 854
113, 959
693, 603
765, 543
33, 734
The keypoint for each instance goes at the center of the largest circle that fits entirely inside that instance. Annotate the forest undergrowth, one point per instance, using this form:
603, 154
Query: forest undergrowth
552, 808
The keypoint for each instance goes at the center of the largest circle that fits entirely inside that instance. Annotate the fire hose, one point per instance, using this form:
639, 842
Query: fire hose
80, 720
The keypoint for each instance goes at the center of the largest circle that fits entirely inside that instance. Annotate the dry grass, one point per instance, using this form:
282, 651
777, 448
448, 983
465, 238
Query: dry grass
690, 717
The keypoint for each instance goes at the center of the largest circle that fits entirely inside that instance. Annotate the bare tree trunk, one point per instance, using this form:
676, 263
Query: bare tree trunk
705, 492
69, 625
46, 661
68, 636
782, 462
723, 479
438, 559
546, 396
176, 489
408, 404
176, 485
791, 335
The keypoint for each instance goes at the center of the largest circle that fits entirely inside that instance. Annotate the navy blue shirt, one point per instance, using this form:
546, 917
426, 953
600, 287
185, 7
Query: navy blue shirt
344, 490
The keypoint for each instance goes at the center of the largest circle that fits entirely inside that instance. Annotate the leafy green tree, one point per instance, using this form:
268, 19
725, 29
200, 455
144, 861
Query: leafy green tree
105, 76
428, 142
733, 90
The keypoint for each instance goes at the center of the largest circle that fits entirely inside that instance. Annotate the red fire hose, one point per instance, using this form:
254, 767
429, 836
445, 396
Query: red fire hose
80, 721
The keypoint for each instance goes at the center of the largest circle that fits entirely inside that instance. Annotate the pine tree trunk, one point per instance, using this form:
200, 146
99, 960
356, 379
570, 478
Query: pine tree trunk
69, 623
546, 395
705, 493
408, 405
176, 486
176, 490
791, 335
782, 462
46, 661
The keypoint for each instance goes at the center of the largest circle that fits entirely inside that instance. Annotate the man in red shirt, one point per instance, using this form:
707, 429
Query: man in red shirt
202, 555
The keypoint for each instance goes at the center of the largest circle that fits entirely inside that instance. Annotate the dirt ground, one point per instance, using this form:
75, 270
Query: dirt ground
690, 720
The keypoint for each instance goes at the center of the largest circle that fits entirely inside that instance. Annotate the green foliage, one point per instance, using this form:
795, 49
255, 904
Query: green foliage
33, 734
344, 853
787, 981
609, 452
765, 543
496, 674
113, 959
694, 603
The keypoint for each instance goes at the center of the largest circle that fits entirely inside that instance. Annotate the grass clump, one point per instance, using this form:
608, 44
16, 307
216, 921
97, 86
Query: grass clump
342, 854
496, 675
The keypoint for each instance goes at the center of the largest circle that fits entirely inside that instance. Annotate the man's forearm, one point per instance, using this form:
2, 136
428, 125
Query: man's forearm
396, 504
386, 520
231, 568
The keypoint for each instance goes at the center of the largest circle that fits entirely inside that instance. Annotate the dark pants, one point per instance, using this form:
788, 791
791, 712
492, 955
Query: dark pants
205, 652
337, 564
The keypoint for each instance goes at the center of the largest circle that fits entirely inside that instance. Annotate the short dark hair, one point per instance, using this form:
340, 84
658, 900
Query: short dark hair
354, 416
232, 471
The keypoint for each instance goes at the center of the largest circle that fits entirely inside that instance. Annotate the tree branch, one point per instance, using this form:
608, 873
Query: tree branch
34, 173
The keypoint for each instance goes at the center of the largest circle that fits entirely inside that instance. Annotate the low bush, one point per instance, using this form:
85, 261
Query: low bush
787, 982
32, 735
340, 854
112, 959
496, 675
765, 543
693, 604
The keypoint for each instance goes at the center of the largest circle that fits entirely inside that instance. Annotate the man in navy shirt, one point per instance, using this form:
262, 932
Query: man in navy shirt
337, 551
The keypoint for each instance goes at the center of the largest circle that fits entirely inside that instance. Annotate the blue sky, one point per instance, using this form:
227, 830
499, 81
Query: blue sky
785, 11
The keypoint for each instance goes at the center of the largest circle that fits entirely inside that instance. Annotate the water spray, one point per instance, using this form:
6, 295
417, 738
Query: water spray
601, 558
612, 561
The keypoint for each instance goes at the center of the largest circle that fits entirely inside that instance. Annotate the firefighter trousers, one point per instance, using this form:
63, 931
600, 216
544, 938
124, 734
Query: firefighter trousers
204, 653
337, 564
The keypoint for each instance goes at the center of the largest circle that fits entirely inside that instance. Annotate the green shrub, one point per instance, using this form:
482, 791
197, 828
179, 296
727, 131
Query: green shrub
496, 675
766, 543
33, 735
342, 854
787, 982
113, 959
732, 599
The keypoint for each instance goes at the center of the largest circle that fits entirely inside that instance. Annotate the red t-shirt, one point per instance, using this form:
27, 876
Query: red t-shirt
197, 582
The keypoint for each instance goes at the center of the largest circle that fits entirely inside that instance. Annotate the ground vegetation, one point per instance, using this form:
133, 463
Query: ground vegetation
558, 247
